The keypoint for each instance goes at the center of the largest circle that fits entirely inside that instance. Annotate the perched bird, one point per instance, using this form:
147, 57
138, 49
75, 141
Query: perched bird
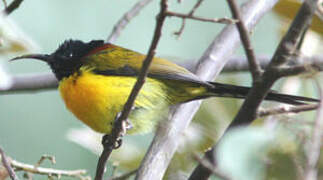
96, 78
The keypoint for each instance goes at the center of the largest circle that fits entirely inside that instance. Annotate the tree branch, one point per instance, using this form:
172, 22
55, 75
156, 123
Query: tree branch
286, 48
13, 6
195, 7
47, 171
7, 165
31, 83
212, 20
118, 125
212, 168
211, 63
13, 165
286, 109
255, 68
124, 176
125, 19
248, 111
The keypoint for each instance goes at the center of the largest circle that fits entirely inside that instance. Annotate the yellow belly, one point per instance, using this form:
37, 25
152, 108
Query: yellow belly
96, 99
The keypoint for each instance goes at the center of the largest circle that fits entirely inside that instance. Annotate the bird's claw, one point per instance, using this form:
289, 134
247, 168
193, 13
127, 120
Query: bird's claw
126, 125
106, 139
118, 143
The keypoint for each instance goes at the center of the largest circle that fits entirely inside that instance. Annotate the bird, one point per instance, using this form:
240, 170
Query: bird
96, 78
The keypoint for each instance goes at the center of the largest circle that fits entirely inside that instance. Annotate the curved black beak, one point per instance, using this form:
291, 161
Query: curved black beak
41, 57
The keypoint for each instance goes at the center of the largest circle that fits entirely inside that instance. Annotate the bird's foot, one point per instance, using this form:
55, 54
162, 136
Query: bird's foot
126, 125
107, 140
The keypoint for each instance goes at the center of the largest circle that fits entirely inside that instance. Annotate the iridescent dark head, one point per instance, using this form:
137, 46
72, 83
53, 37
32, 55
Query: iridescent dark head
67, 59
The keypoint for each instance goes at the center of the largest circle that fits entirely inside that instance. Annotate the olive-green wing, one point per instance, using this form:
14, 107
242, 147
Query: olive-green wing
115, 60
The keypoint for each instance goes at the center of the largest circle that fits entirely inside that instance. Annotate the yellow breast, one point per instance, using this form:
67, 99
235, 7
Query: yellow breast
96, 99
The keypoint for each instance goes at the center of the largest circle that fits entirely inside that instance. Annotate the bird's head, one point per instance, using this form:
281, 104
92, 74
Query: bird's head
67, 59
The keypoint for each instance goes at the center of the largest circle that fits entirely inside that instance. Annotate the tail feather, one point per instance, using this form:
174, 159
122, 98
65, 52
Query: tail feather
226, 90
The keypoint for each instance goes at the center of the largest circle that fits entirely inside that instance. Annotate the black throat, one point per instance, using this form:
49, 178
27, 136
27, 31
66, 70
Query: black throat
68, 58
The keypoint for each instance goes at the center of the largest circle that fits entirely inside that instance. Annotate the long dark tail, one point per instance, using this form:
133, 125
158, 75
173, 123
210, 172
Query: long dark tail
226, 90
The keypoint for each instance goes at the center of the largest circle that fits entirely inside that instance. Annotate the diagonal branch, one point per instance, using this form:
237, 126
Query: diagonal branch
124, 176
255, 68
248, 111
212, 168
13, 6
118, 125
286, 48
210, 64
125, 19
6, 163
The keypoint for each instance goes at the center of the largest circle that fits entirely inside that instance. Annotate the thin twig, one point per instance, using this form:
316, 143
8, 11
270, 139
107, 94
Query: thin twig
255, 68
125, 19
19, 166
286, 109
124, 176
212, 20
44, 157
181, 29
195, 7
13, 6
315, 143
211, 167
117, 129
6, 163
297, 70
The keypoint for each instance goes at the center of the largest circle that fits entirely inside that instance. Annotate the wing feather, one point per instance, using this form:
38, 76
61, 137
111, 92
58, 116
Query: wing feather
115, 60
